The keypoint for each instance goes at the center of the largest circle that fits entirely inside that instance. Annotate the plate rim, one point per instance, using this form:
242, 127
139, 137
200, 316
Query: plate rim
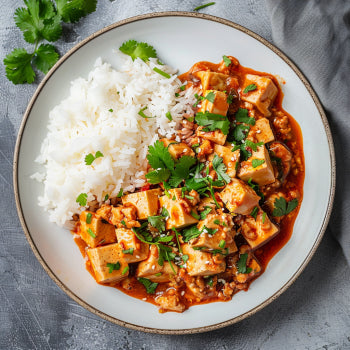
330, 197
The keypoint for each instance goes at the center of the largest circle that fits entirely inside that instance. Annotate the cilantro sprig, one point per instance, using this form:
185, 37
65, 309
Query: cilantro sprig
89, 158
282, 207
212, 121
242, 264
42, 20
136, 49
148, 284
220, 169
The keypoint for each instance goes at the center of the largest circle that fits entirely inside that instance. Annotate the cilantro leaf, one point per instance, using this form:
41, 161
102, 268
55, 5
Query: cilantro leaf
282, 207
18, 66
28, 22
182, 170
136, 49
148, 284
52, 29
213, 121
159, 156
45, 57
257, 162
89, 159
72, 10
254, 146
113, 267
157, 176
250, 87
242, 264
157, 222
220, 169
240, 131
82, 199
205, 212
227, 61
243, 117
254, 212
190, 233
210, 97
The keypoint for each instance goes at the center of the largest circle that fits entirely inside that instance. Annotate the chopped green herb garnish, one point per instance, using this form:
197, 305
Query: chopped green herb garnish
183, 87
90, 157
254, 212
217, 222
263, 217
157, 222
209, 231
254, 146
168, 115
222, 244
158, 274
209, 281
125, 270
113, 267
120, 193
189, 197
242, 264
149, 285
210, 96
91, 233
195, 215
205, 212
123, 222
165, 212
257, 162
212, 121
203, 6
143, 115
110, 110
88, 218
177, 94
106, 196
229, 99
243, 117
164, 74
138, 49
191, 119
177, 238
190, 233
282, 207
220, 169
82, 199
129, 251
185, 258
250, 87
227, 61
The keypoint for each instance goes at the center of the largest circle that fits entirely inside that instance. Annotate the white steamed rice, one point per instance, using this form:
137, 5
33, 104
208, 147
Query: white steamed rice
83, 124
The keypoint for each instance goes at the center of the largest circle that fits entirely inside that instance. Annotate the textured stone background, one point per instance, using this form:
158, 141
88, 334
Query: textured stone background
314, 313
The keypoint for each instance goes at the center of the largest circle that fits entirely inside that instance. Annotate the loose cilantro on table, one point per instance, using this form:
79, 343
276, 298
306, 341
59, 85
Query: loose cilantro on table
250, 87
282, 207
220, 169
148, 284
136, 49
41, 20
242, 264
212, 122
203, 6
89, 159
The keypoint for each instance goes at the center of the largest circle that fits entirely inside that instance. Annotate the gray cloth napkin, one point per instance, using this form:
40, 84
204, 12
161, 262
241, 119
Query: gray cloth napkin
316, 34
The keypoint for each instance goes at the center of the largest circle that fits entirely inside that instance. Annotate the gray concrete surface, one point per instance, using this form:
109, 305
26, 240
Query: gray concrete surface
314, 313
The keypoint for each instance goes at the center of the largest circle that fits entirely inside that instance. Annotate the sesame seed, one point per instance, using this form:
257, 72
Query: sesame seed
144, 299
183, 293
137, 256
233, 159
153, 267
258, 131
221, 280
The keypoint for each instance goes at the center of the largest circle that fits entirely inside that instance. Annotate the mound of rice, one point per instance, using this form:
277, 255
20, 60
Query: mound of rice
101, 114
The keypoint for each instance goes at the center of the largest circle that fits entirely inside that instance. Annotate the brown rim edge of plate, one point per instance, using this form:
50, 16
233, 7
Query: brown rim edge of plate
330, 199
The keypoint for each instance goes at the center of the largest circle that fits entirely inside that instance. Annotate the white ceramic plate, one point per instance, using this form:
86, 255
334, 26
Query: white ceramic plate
181, 39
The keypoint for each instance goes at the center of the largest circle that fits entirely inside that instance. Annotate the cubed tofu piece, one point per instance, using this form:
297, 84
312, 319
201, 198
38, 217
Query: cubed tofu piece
109, 254
202, 263
98, 231
179, 149
212, 80
262, 131
170, 302
121, 216
219, 104
179, 210
230, 159
264, 94
128, 240
209, 240
150, 268
216, 136
258, 167
258, 232
146, 202
238, 197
